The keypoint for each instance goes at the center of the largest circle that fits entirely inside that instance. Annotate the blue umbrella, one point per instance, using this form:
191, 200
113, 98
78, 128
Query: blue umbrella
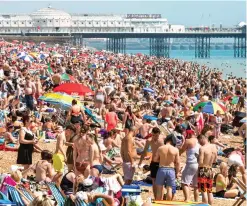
148, 90
148, 117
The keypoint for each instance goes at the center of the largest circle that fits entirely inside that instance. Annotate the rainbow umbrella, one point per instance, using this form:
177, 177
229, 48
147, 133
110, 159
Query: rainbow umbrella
64, 100
210, 107
235, 99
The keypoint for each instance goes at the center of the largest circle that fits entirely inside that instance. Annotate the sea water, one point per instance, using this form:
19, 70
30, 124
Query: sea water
221, 59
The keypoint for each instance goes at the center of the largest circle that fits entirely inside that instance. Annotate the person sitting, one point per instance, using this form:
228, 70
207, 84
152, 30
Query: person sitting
41, 200
10, 142
68, 182
43, 168
222, 182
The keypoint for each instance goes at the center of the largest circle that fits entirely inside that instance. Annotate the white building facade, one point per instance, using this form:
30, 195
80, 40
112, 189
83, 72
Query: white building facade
49, 20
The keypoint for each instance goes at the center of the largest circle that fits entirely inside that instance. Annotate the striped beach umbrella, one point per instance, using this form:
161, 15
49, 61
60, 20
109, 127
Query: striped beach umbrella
210, 107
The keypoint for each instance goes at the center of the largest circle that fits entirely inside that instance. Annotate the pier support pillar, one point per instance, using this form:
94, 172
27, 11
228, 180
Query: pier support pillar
202, 47
239, 47
160, 47
116, 45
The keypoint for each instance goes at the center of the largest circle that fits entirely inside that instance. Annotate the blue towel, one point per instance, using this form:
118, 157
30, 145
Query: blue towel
149, 117
141, 183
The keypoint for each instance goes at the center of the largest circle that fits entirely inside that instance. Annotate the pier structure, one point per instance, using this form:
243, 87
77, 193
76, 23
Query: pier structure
115, 29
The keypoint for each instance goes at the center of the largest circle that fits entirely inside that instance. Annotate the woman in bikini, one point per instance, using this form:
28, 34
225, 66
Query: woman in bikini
76, 113
10, 141
95, 156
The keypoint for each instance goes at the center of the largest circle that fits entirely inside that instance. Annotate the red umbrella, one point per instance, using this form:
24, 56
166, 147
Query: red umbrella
139, 54
73, 88
15, 41
148, 63
98, 53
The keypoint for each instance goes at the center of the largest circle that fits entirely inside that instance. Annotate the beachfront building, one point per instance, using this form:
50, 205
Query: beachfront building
50, 20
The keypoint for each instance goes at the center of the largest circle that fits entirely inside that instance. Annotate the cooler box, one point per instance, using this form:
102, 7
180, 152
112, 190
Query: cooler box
130, 190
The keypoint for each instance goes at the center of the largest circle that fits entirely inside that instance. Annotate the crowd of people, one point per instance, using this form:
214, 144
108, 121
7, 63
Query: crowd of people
145, 114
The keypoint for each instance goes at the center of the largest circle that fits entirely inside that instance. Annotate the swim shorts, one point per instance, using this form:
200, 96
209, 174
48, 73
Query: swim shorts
128, 171
166, 176
58, 162
154, 167
205, 179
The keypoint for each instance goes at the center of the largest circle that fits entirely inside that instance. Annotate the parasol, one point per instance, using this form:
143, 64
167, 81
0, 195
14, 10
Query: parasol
74, 88
210, 107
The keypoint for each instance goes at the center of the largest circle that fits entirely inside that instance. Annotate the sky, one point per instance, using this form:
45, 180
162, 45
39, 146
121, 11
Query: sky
189, 13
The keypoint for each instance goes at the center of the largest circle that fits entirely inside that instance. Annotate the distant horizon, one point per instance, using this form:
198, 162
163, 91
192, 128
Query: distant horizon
188, 13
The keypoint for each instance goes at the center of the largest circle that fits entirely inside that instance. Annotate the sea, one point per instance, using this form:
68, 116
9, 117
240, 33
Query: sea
222, 59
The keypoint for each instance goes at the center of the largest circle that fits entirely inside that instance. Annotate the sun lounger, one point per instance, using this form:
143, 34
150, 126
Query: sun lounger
242, 188
26, 193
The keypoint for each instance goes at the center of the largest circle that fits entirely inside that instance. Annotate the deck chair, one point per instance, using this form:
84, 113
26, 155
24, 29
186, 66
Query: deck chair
5, 201
14, 195
26, 193
242, 188
58, 196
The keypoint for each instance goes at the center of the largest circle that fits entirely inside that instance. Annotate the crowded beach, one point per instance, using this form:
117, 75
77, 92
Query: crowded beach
86, 127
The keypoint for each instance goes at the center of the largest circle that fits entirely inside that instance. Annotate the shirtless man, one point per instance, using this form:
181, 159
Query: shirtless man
59, 156
145, 128
169, 166
30, 90
38, 86
207, 156
155, 142
81, 153
128, 153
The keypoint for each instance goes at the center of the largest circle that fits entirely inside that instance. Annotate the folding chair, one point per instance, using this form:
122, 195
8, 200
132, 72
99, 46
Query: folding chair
14, 195
5, 201
58, 196
243, 191
26, 193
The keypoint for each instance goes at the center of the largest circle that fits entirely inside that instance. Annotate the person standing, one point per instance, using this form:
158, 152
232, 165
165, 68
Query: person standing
218, 122
207, 156
70, 134
111, 119
27, 141
30, 90
154, 142
81, 153
169, 166
59, 157
128, 153
189, 174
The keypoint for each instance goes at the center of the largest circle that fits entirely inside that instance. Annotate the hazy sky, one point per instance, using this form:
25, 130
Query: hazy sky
189, 13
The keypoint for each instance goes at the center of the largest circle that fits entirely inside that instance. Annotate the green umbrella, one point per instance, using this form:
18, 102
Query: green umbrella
235, 100
65, 77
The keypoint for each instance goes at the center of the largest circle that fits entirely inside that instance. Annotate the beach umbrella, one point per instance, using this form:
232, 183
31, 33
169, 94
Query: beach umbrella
64, 100
34, 54
58, 55
21, 54
67, 77
74, 88
235, 99
15, 41
148, 90
148, 63
43, 56
98, 53
210, 107
139, 54
27, 58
